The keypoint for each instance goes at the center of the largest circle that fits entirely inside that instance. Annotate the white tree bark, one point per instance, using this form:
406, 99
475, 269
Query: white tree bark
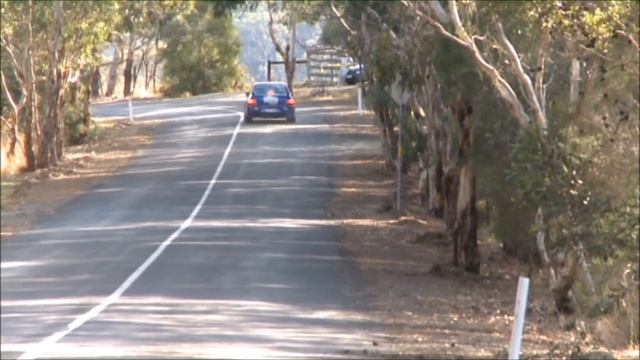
439, 11
574, 86
542, 250
340, 17
585, 269
523, 78
500, 85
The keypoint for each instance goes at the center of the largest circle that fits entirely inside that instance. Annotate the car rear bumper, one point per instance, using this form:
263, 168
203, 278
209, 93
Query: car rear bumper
275, 114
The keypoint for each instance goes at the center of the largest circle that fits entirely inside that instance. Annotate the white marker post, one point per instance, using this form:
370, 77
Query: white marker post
518, 321
359, 99
130, 110
399, 166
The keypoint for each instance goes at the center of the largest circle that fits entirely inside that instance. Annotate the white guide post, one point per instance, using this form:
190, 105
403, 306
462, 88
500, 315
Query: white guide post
518, 321
130, 110
399, 166
359, 100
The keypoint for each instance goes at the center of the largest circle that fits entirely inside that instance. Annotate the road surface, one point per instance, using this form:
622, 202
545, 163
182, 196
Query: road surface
214, 242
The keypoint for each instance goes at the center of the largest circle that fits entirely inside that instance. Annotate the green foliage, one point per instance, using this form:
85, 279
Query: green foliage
201, 54
334, 34
74, 123
568, 171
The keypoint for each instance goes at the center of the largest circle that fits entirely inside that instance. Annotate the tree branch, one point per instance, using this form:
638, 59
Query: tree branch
539, 79
301, 44
523, 79
629, 38
384, 25
17, 106
436, 25
340, 17
457, 23
505, 92
14, 60
4, 119
272, 34
439, 11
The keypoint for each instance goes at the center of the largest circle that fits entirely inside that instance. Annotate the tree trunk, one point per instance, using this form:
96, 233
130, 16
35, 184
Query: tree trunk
435, 175
128, 69
423, 180
47, 154
33, 124
292, 57
136, 70
450, 187
459, 187
81, 101
574, 86
566, 278
17, 109
155, 65
96, 84
113, 72
61, 126
390, 140
466, 222
147, 71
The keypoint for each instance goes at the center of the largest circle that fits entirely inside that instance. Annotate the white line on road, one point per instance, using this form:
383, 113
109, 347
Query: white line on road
82, 319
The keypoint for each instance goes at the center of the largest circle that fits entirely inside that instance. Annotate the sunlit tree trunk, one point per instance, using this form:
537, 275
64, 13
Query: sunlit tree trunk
286, 50
113, 71
155, 65
47, 154
33, 123
128, 67
466, 223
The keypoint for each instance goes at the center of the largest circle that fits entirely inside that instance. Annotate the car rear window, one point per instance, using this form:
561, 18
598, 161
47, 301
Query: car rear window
270, 89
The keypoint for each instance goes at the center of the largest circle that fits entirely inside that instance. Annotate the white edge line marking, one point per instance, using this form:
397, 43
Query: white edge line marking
82, 319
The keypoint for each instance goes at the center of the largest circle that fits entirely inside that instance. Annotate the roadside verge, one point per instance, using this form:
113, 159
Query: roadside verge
30, 196
430, 308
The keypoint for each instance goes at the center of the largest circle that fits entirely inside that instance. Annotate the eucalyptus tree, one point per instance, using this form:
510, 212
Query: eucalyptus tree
565, 77
201, 52
284, 19
47, 47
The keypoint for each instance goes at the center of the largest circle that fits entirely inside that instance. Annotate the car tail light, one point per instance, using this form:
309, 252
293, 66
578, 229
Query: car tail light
252, 102
291, 102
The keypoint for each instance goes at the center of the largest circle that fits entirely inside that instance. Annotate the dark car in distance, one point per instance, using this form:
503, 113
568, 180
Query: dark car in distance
354, 75
270, 100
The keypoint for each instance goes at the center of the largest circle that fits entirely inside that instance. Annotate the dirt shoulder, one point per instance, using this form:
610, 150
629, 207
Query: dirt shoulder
28, 197
432, 309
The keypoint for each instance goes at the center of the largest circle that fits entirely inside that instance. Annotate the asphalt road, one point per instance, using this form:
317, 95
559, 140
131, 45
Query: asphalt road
214, 242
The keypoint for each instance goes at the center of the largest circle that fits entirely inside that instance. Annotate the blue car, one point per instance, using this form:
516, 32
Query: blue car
270, 100
354, 75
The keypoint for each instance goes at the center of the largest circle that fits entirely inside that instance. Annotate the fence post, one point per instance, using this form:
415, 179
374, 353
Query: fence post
130, 110
399, 166
518, 320
268, 70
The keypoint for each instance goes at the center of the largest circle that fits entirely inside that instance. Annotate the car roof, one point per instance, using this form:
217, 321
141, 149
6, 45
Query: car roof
269, 82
